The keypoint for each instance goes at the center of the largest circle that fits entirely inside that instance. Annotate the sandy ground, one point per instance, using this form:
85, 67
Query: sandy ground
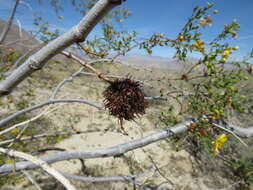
175, 168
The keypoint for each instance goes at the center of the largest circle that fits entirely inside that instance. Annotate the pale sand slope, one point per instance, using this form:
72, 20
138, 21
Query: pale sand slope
173, 165
176, 166
178, 163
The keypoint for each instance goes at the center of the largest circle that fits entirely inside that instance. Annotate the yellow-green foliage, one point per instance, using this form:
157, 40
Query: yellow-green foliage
7, 57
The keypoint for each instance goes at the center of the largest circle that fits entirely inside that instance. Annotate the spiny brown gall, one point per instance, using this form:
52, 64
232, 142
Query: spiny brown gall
125, 99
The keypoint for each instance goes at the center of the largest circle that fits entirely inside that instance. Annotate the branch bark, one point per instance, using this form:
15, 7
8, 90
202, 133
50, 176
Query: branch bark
239, 131
101, 152
104, 179
115, 150
41, 164
77, 33
129, 179
9, 23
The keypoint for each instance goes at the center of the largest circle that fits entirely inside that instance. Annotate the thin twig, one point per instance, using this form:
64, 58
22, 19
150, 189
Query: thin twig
47, 102
47, 135
87, 64
104, 179
161, 174
88, 51
223, 128
115, 77
31, 179
17, 138
27, 121
68, 79
131, 179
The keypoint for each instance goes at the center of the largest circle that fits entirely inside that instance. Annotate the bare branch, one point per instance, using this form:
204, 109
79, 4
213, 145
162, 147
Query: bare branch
50, 101
239, 131
104, 179
77, 33
111, 151
130, 179
102, 152
2, 143
40, 163
167, 180
221, 127
68, 79
26, 122
156, 98
93, 74
31, 179
114, 77
85, 64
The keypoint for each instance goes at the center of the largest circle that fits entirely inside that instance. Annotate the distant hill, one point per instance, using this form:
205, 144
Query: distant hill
22, 41
18, 38
150, 61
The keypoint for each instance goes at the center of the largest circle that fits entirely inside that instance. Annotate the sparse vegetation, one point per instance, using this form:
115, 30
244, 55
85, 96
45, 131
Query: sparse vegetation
210, 92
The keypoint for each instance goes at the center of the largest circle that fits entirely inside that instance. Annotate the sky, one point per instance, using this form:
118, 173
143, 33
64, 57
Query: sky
149, 16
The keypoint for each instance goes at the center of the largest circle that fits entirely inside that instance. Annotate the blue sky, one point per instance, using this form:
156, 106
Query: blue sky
149, 16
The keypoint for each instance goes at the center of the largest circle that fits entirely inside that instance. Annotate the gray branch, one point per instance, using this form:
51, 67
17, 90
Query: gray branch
239, 131
76, 34
68, 79
104, 179
42, 164
50, 101
101, 152
126, 179
33, 137
114, 150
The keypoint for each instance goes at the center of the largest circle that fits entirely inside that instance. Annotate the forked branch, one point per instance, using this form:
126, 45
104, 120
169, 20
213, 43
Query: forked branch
76, 34
40, 163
